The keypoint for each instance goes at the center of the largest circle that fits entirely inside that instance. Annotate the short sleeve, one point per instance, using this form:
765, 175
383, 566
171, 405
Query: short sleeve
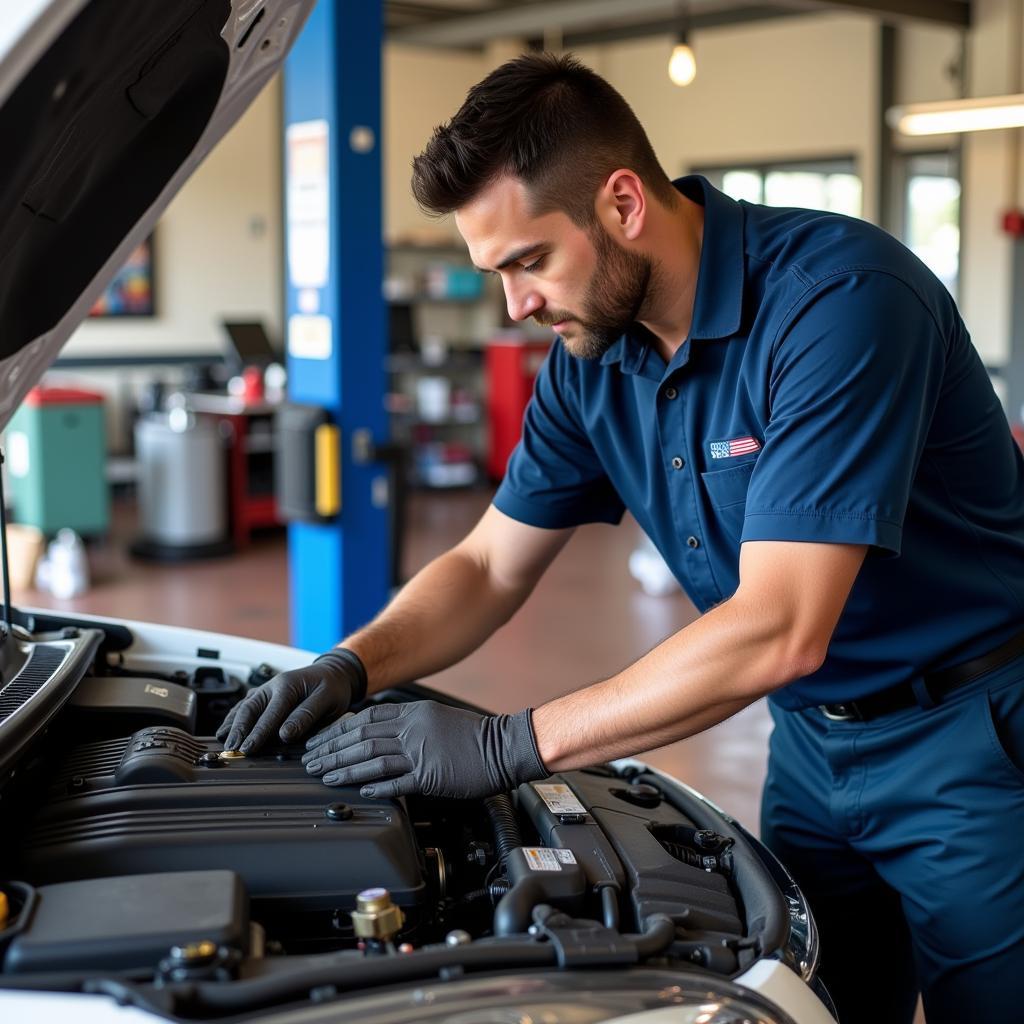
554, 477
855, 379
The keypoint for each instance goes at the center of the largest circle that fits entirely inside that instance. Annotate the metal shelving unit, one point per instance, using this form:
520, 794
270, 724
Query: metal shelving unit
436, 366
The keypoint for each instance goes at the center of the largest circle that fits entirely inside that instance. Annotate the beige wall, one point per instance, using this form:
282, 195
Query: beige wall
986, 298
759, 94
791, 88
422, 88
218, 248
928, 59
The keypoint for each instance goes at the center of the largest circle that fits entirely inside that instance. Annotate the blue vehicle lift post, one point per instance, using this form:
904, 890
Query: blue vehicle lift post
336, 329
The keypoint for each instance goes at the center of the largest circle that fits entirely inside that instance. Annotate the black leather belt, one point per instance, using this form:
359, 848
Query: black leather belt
928, 690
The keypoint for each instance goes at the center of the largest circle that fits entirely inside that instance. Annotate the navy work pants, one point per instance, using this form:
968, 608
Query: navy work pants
906, 834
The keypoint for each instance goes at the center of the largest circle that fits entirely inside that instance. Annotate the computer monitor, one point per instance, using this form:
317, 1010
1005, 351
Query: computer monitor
248, 344
401, 328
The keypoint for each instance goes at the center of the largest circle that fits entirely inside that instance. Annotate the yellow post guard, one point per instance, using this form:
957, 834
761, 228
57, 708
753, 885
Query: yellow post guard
327, 441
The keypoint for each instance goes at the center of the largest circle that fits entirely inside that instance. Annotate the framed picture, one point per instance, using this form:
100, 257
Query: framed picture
131, 293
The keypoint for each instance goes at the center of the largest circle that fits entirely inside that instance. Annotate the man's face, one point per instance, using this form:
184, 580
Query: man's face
580, 282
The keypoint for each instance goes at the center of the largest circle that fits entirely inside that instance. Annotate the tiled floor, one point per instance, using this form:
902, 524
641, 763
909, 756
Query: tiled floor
586, 620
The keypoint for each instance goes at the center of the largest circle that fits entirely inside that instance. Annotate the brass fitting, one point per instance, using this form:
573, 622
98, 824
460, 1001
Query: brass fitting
195, 951
375, 916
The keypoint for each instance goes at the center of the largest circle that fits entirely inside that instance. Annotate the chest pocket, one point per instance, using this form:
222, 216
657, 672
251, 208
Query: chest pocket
728, 487
727, 493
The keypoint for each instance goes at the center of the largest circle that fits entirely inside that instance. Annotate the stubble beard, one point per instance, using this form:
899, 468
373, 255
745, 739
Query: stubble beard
615, 297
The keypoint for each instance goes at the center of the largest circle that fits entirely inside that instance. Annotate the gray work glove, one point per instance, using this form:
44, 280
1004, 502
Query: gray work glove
293, 702
433, 749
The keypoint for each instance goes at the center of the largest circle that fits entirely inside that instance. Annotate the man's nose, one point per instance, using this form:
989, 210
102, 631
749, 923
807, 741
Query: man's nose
522, 302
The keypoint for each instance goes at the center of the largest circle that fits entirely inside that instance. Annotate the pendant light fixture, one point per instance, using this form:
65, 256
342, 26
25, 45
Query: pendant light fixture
682, 65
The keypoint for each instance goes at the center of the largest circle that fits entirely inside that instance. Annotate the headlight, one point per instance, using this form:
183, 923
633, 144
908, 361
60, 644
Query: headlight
576, 997
802, 950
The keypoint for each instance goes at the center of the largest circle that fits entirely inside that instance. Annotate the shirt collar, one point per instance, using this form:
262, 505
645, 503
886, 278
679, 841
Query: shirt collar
718, 304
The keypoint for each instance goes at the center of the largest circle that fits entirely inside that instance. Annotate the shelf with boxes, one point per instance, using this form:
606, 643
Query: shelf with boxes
437, 412
441, 311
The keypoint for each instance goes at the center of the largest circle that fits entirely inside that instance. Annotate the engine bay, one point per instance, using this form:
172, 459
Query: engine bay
143, 858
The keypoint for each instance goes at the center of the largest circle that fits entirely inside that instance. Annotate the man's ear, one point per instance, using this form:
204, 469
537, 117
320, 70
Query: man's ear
621, 205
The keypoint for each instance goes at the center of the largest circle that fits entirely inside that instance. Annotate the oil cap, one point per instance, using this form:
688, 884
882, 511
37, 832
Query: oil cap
375, 916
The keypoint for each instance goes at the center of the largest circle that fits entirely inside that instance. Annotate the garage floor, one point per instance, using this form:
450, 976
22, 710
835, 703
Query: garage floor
586, 620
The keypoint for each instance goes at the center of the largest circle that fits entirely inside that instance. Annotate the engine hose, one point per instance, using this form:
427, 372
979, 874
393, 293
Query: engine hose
609, 892
513, 912
347, 972
658, 934
506, 827
495, 891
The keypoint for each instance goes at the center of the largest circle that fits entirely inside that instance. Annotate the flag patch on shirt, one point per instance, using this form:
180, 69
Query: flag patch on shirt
737, 446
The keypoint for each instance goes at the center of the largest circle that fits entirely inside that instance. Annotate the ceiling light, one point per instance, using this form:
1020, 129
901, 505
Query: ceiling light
682, 65
944, 117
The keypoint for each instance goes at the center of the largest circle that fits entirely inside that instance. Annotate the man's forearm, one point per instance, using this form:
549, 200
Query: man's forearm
696, 678
442, 614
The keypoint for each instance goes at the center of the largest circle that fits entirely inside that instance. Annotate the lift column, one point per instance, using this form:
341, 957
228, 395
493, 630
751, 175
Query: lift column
336, 332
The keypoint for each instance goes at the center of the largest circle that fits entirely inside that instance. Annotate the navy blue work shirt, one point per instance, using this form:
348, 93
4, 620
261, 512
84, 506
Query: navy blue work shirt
828, 392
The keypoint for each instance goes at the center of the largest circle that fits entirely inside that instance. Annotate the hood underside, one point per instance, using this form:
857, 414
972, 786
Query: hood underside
106, 108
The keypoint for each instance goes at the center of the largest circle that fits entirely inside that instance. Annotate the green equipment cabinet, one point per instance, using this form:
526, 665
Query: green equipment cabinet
56, 461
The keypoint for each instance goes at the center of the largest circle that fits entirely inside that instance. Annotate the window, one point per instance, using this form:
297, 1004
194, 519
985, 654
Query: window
831, 185
931, 213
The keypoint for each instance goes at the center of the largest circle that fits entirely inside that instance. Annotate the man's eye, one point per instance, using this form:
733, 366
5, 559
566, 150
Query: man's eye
535, 265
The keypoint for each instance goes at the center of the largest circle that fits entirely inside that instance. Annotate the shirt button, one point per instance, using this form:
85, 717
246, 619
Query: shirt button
677, 463
692, 542
670, 393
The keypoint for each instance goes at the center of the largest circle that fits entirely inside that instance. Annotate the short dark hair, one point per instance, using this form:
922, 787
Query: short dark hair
549, 121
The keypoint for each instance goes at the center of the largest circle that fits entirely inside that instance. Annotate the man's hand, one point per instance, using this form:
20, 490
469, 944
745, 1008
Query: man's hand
295, 701
432, 749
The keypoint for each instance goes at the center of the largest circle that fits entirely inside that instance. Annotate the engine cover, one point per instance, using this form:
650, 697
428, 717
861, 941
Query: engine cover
163, 800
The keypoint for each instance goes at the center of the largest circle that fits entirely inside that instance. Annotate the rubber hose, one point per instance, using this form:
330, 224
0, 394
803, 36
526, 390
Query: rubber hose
513, 912
346, 972
610, 905
659, 933
505, 824
355, 973
495, 890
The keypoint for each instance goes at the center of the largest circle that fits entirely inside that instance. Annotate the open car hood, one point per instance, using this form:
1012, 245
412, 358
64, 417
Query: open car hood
106, 109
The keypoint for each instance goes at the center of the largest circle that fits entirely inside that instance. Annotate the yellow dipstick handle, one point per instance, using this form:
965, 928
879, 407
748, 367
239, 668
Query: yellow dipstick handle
327, 443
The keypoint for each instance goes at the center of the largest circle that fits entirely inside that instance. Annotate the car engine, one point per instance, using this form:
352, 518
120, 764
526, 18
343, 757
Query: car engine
137, 848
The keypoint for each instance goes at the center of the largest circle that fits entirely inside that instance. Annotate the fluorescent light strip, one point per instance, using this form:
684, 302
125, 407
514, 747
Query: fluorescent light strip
973, 115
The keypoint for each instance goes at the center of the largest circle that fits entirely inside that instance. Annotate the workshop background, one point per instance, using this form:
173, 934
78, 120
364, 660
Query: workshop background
161, 422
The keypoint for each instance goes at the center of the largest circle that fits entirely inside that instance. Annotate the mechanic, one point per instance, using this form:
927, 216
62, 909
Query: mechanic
790, 405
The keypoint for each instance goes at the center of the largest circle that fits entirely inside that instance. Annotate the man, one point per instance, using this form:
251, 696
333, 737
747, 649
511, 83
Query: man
789, 404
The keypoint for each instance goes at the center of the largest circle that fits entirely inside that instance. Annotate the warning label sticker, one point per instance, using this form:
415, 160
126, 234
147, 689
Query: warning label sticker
559, 798
542, 858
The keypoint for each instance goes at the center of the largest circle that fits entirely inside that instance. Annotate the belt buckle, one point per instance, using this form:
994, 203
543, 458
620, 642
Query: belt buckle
845, 712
